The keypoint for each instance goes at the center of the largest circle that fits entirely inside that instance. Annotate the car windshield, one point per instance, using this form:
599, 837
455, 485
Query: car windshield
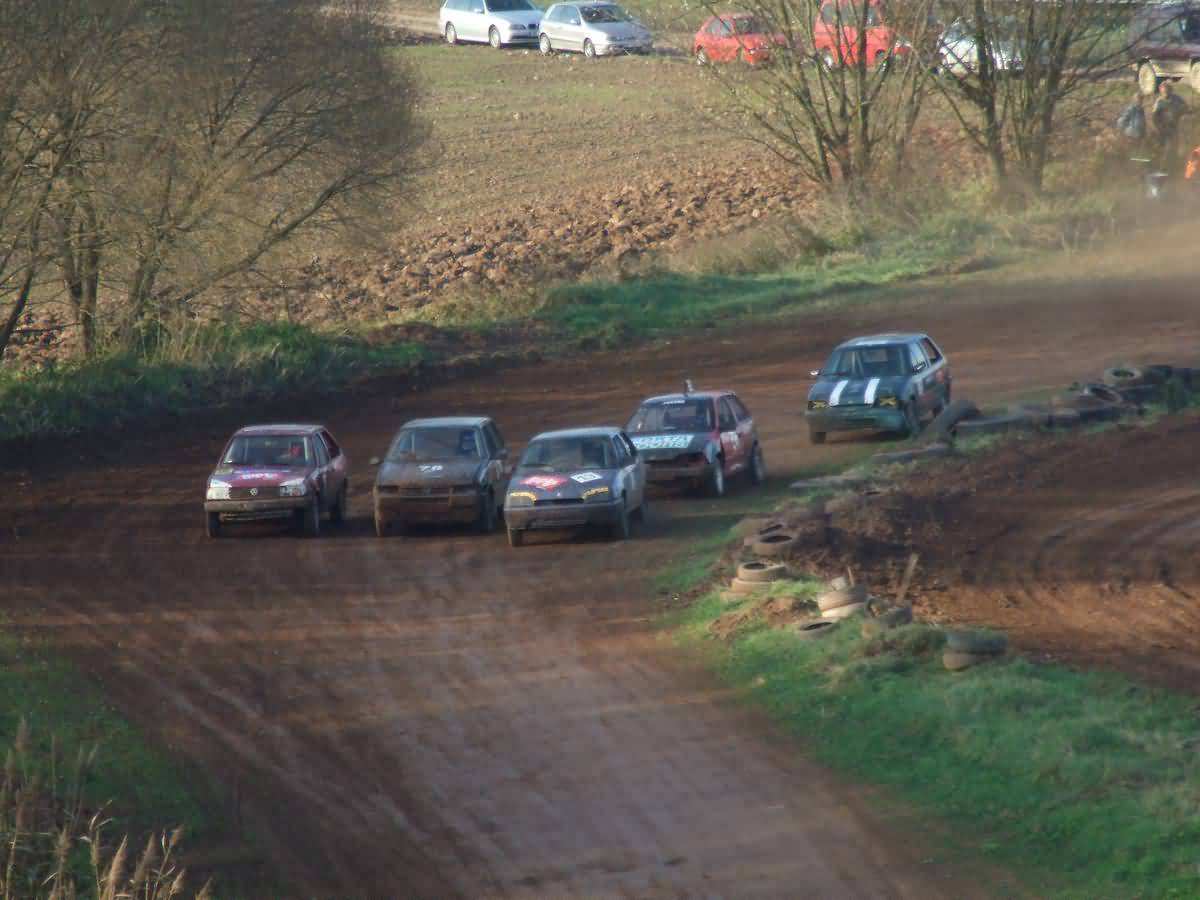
1189, 25
604, 14
426, 444
867, 362
747, 25
509, 5
565, 454
672, 415
269, 450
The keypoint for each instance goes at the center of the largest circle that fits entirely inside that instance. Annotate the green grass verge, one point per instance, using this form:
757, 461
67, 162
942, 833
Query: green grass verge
1081, 784
203, 368
140, 786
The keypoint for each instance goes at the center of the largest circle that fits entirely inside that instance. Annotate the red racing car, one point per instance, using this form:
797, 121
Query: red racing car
295, 472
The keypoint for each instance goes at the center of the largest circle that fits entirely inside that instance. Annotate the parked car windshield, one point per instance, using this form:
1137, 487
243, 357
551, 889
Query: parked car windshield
509, 5
269, 450
672, 415
868, 362
747, 25
592, 452
426, 444
604, 14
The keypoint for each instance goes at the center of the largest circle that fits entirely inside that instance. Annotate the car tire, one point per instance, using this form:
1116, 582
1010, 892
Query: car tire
758, 466
639, 514
828, 60
544, 45
759, 572
1148, 79
383, 525
212, 524
701, 57
310, 519
815, 629
494, 38
486, 521
451, 35
715, 484
516, 537
337, 514
589, 49
817, 437
620, 530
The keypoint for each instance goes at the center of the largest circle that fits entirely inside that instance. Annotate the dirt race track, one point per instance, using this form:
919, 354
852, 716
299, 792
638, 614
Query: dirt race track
444, 715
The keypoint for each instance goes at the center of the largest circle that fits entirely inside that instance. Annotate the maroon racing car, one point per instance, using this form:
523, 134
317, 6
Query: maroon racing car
295, 472
697, 438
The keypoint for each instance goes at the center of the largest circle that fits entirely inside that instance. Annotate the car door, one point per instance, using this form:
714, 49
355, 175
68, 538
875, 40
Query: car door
339, 474
497, 454
321, 472
731, 442
925, 386
825, 29
635, 470
724, 41
940, 370
474, 21
747, 433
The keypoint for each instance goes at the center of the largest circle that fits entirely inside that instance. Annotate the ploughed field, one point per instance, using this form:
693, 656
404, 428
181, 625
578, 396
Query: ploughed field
444, 715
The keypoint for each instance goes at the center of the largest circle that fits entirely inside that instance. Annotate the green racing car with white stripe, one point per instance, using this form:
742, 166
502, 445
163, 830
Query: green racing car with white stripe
881, 382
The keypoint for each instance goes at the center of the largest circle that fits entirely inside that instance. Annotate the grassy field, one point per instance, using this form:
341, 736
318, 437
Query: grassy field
1083, 784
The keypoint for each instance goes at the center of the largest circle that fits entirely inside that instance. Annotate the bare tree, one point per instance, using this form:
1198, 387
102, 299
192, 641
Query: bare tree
835, 104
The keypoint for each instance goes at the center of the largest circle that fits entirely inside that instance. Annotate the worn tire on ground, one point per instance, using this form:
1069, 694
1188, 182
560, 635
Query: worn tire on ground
956, 661
945, 422
777, 545
839, 597
976, 642
761, 572
746, 588
844, 612
994, 425
1124, 376
893, 618
815, 629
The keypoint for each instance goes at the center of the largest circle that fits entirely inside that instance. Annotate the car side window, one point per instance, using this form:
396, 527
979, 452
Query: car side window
727, 421
632, 450
331, 445
829, 13
572, 15
931, 351
622, 452
739, 408
917, 356
321, 453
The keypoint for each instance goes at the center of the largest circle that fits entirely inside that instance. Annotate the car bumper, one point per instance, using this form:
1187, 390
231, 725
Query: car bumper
861, 419
666, 473
252, 510
617, 48
449, 508
521, 37
565, 515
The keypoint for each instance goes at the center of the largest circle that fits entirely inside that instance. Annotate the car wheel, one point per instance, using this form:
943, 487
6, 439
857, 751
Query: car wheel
912, 421
212, 524
337, 515
817, 437
701, 57
486, 523
544, 45
516, 537
639, 514
382, 524
828, 61
882, 61
311, 519
716, 478
494, 38
451, 34
758, 466
1148, 80
589, 49
620, 530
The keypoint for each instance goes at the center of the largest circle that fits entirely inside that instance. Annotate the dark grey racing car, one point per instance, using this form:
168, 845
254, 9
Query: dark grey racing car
577, 478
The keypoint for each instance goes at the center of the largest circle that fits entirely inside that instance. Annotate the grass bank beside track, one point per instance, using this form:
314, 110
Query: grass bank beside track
1083, 784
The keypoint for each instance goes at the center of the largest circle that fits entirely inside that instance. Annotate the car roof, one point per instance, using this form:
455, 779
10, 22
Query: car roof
593, 431
448, 422
703, 395
895, 337
280, 429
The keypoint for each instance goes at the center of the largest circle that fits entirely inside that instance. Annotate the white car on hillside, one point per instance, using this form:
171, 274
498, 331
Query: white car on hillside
496, 22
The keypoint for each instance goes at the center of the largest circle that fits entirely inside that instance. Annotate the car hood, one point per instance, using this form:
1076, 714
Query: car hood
255, 476
519, 17
570, 485
618, 31
850, 391
417, 474
668, 444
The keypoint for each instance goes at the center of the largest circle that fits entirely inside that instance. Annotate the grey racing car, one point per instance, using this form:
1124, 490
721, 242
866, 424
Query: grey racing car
883, 382
576, 478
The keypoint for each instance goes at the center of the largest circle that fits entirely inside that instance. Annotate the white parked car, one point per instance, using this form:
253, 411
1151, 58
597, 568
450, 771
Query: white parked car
497, 22
593, 28
959, 55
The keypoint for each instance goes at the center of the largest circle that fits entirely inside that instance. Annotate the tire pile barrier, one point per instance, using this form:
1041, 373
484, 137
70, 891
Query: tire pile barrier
967, 649
757, 576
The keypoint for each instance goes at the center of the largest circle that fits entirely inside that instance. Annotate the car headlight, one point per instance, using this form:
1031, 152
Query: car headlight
901, 45
891, 401
521, 498
296, 488
817, 404
596, 494
217, 490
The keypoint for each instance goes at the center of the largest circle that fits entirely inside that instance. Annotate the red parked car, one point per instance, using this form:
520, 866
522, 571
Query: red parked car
734, 37
837, 25
295, 472
698, 438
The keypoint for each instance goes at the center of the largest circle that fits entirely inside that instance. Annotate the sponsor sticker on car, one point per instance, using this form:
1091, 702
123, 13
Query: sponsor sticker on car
585, 477
662, 441
544, 482
430, 469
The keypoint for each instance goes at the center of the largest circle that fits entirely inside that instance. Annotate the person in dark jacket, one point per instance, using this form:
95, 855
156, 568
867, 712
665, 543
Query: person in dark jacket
1167, 111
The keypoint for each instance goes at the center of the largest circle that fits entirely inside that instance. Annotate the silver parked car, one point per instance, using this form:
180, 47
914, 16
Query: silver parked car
498, 22
593, 28
958, 51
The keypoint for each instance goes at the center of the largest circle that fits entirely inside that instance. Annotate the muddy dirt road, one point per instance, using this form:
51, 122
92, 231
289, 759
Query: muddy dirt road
443, 715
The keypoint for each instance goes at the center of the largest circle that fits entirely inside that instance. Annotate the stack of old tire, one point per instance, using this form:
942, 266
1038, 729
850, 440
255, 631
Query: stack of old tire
967, 649
753, 577
843, 600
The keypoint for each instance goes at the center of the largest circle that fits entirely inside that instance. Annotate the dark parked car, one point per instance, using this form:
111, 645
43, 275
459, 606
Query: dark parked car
577, 478
698, 438
884, 382
1165, 42
295, 472
442, 470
